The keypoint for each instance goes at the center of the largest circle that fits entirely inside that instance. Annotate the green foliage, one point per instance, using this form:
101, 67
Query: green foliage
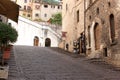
51, 1
56, 19
7, 34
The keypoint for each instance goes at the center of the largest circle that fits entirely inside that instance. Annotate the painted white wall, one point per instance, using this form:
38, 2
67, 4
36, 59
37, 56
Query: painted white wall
27, 30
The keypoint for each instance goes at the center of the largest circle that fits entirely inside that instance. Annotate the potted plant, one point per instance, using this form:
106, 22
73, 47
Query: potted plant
7, 35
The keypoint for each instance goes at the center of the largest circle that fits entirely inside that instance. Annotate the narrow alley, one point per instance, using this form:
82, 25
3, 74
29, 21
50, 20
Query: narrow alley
38, 63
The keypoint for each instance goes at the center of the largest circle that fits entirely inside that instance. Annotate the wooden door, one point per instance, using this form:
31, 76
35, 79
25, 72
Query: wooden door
97, 33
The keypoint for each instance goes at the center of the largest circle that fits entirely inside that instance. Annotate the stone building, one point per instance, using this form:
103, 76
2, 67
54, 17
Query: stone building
103, 29
39, 10
73, 22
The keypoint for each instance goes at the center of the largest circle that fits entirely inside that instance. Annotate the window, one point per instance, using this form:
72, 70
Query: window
97, 11
89, 37
0, 19
112, 28
58, 7
37, 6
45, 15
24, 7
24, 14
66, 7
90, 17
28, 8
109, 4
28, 15
61, 7
78, 16
54, 6
25, 1
45, 6
36, 15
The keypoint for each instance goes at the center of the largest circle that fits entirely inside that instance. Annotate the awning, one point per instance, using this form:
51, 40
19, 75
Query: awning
9, 9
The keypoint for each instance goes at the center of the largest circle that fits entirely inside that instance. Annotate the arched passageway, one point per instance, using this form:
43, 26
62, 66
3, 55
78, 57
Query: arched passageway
47, 42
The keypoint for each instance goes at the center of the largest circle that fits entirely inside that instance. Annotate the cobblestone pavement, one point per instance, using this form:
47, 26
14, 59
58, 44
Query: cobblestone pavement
37, 63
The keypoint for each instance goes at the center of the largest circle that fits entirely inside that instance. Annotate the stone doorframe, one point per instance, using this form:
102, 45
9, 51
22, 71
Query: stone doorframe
97, 20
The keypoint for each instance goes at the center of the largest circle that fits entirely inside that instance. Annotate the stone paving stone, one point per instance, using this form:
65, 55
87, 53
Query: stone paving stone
38, 63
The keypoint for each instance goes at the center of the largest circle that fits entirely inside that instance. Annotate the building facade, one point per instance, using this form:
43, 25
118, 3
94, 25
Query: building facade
99, 20
35, 34
73, 22
103, 30
39, 10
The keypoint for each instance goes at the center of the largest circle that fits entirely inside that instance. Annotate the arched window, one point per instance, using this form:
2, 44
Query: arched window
66, 7
112, 27
97, 11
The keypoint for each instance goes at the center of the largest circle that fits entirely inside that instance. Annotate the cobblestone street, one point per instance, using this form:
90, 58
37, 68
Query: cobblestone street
37, 63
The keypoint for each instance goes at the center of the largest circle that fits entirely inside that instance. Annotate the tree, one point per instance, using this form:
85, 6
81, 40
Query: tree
56, 19
7, 35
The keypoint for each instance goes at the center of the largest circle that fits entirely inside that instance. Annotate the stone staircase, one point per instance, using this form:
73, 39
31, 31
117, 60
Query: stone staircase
13, 71
62, 51
102, 63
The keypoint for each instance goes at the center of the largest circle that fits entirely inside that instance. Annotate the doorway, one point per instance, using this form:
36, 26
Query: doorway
36, 41
47, 42
97, 35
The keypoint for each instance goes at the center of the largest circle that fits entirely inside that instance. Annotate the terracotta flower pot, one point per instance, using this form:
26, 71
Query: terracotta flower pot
6, 55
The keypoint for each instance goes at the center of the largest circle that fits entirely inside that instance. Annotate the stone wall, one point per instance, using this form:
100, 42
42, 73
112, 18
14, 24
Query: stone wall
70, 24
99, 12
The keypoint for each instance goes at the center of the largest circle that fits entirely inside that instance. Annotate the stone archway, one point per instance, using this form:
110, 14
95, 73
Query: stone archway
47, 42
97, 36
36, 41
